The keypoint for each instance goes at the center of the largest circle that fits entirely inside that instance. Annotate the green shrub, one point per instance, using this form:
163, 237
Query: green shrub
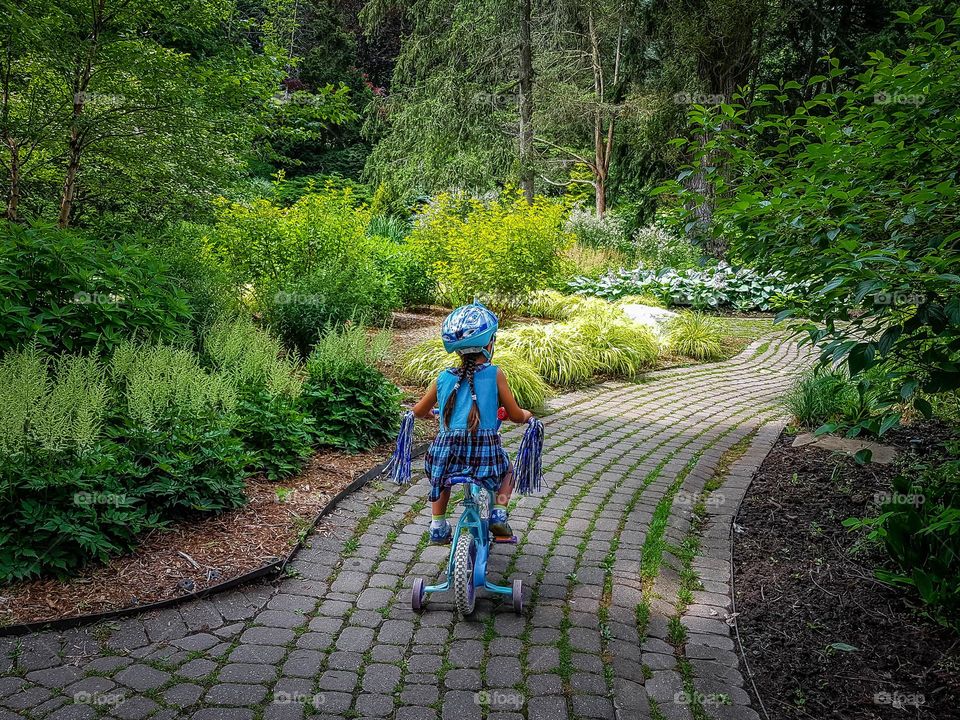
68, 292
423, 363
504, 247
607, 233
549, 304
209, 290
391, 227
356, 410
919, 525
817, 396
301, 310
556, 351
589, 262
405, 273
95, 453
658, 249
354, 405
273, 427
696, 336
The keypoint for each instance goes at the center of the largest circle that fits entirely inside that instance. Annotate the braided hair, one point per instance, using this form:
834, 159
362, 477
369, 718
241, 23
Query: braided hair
467, 369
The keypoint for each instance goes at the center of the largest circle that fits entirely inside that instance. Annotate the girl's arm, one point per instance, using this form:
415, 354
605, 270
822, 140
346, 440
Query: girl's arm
422, 409
509, 403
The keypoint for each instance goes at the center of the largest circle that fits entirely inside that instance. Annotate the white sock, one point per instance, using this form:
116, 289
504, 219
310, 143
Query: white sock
437, 523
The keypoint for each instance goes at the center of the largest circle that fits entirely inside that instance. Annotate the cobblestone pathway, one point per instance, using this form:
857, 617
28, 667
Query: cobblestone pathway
624, 559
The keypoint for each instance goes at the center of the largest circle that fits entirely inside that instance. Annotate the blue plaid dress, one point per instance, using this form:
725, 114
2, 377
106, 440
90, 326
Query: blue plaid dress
457, 452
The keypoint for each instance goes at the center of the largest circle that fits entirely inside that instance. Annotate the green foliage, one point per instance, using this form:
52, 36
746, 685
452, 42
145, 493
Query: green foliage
502, 247
919, 526
253, 357
66, 291
853, 191
556, 351
608, 232
423, 363
695, 335
619, 346
97, 452
355, 406
355, 410
817, 397
549, 304
657, 249
276, 433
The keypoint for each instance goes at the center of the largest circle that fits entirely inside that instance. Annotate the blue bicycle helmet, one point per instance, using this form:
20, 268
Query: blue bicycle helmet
470, 327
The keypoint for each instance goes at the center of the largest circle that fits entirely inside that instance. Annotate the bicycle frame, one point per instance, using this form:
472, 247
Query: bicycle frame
472, 522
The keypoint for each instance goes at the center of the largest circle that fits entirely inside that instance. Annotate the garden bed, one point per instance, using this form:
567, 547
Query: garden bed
823, 637
193, 555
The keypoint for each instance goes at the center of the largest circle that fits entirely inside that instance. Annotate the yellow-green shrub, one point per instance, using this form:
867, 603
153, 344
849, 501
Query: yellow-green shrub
620, 346
502, 247
696, 336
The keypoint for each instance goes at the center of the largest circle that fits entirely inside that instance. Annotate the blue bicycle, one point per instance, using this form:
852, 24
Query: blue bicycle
469, 551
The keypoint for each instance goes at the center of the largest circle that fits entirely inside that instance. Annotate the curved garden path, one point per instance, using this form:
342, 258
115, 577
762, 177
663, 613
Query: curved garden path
624, 559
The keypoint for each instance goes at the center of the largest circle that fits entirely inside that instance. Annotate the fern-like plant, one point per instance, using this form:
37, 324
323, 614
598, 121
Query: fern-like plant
696, 336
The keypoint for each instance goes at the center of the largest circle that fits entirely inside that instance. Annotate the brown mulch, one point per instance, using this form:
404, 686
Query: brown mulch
804, 583
221, 547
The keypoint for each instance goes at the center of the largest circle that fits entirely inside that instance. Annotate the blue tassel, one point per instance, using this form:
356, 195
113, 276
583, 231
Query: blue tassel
528, 466
399, 466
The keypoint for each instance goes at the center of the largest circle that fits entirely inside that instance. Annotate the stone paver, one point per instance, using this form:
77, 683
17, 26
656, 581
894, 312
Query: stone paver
625, 466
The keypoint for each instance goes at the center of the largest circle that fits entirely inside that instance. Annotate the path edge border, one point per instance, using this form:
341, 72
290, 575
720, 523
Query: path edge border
269, 570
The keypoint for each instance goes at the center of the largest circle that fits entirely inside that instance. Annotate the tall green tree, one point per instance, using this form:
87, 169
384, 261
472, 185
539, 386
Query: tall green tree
132, 107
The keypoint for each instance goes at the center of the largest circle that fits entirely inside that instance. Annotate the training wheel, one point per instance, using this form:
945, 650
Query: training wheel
416, 598
517, 595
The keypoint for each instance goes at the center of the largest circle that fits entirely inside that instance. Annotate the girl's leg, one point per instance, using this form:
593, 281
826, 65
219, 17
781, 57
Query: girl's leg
439, 506
506, 489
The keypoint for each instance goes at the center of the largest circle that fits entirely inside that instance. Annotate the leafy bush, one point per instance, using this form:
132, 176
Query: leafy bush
275, 431
847, 190
556, 351
66, 291
549, 304
355, 406
919, 525
817, 397
657, 249
391, 227
695, 335
95, 453
503, 247
607, 233
405, 273
830, 400
423, 363
300, 310
719, 286
308, 265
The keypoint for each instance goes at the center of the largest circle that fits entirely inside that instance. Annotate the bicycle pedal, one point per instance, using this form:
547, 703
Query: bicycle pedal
512, 540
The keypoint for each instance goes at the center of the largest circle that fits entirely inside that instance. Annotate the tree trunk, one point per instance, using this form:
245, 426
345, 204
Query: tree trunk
526, 102
13, 192
73, 166
600, 188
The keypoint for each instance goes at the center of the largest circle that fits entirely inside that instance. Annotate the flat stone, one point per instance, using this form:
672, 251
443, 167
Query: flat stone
142, 677
235, 694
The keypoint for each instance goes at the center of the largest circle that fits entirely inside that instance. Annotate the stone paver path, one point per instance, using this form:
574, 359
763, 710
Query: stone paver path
624, 559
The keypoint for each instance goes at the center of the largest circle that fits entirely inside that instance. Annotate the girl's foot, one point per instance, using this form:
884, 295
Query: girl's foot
498, 523
440, 535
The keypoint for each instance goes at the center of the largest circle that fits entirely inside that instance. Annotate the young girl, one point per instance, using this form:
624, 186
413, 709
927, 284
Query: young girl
469, 397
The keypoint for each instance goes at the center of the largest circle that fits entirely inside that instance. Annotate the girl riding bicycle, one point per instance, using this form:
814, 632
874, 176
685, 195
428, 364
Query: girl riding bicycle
469, 397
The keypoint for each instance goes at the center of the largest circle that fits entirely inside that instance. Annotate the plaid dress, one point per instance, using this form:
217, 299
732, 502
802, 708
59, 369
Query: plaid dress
457, 452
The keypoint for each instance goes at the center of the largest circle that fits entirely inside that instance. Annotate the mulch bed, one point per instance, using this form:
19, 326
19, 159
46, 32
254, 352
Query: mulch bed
803, 584
192, 555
